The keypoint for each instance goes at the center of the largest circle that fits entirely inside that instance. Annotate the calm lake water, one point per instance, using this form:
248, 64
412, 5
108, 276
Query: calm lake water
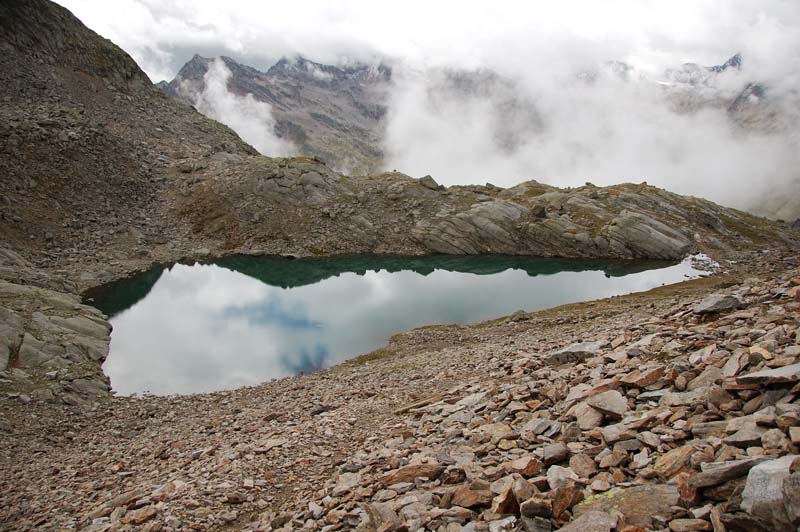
244, 320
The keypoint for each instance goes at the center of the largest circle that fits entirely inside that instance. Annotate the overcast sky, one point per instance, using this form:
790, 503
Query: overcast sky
161, 35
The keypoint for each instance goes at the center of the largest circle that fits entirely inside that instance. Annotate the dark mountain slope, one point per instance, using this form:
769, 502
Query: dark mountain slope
86, 138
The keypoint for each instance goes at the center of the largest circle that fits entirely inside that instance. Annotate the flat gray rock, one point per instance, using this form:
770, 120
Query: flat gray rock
789, 373
763, 494
612, 403
574, 353
718, 303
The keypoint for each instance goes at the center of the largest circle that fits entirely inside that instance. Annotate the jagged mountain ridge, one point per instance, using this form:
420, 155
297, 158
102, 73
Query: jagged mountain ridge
339, 113
334, 113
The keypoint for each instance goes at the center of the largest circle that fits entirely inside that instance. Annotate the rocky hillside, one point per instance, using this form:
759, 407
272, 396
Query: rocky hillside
85, 139
104, 175
672, 410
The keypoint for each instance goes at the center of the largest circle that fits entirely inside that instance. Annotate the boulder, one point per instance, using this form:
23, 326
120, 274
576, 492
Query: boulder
429, 182
764, 497
574, 353
718, 303
638, 504
410, 472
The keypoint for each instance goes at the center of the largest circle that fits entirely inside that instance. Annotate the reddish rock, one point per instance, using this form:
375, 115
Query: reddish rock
640, 379
470, 498
140, 516
526, 466
409, 473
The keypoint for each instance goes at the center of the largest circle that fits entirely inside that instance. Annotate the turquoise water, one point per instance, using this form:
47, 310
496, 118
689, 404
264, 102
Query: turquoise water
244, 320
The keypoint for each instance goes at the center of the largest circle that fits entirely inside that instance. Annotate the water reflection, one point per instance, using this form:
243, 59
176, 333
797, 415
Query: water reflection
209, 327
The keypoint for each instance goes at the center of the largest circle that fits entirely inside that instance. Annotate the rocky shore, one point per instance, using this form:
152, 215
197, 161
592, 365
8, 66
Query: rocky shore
673, 409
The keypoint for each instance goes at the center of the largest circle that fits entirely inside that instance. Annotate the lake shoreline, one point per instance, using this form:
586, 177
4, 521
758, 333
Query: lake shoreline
291, 437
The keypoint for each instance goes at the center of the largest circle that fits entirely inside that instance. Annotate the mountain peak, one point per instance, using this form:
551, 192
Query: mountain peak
735, 62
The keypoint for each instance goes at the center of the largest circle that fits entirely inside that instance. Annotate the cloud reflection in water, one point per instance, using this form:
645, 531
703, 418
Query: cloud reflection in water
204, 327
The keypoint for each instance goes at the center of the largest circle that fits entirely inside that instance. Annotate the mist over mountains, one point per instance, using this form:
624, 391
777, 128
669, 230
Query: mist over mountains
711, 131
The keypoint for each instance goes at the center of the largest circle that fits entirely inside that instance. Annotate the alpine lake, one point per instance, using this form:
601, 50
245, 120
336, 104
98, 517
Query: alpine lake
243, 320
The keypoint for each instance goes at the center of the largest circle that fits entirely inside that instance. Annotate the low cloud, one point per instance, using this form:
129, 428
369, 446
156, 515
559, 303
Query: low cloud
601, 127
251, 119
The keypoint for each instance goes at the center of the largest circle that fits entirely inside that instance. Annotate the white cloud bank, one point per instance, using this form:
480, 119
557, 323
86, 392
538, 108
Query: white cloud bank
251, 119
607, 132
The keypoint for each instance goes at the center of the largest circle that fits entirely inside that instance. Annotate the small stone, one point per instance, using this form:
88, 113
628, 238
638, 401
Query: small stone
557, 476
537, 506
689, 525
715, 473
495, 431
467, 497
617, 432
777, 440
506, 523
794, 434
555, 453
747, 436
641, 379
616, 458
346, 482
506, 502
587, 417
411, 472
566, 496
140, 516
582, 465
648, 438
572, 354
526, 466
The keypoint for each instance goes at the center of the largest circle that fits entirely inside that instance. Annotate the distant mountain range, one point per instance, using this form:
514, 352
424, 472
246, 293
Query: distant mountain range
339, 113
333, 113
